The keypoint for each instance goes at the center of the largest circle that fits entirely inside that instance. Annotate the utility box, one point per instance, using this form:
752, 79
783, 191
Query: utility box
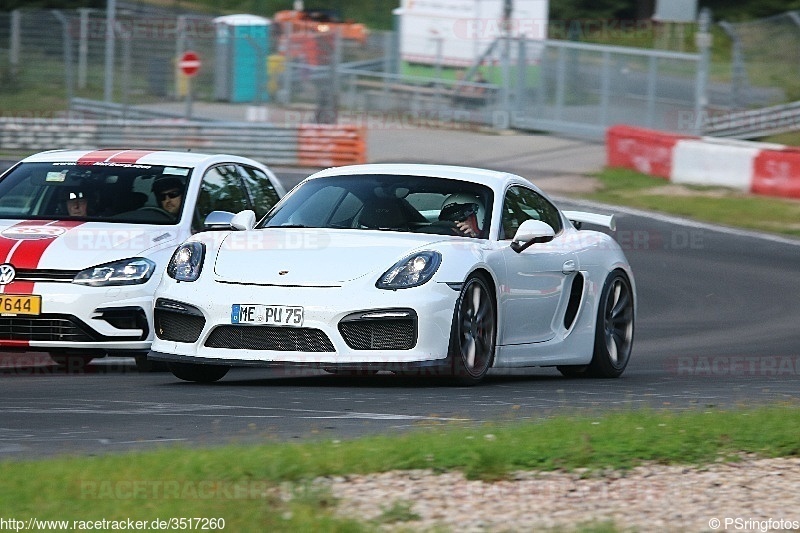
242, 48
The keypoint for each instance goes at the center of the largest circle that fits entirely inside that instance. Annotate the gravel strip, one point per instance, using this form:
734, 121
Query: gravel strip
646, 498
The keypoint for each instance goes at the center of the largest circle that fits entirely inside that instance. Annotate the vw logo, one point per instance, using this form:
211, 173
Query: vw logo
7, 274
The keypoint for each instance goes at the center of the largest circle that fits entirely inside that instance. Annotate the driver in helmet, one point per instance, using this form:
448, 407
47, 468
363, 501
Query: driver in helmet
465, 211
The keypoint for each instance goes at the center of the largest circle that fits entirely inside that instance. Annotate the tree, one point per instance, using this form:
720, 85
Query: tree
748, 9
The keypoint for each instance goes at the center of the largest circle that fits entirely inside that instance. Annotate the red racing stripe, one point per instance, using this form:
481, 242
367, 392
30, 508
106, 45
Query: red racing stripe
130, 156
98, 156
26, 253
113, 156
8, 244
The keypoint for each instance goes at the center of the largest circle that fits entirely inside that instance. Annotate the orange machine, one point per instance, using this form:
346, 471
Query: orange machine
320, 21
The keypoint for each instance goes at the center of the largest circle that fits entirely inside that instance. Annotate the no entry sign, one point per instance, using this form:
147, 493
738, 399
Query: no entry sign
189, 63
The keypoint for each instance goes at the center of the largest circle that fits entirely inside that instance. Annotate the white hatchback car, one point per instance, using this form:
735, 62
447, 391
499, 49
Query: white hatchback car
85, 237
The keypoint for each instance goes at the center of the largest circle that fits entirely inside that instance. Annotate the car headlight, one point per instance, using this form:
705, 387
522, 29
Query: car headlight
133, 271
187, 262
411, 271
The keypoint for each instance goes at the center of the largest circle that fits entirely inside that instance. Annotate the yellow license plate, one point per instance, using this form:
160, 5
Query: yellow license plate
20, 304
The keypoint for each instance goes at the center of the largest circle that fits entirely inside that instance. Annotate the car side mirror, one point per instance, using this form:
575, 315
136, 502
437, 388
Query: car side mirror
531, 232
218, 220
244, 220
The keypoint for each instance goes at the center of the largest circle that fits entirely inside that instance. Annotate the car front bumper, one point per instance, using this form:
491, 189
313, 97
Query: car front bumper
113, 320
327, 338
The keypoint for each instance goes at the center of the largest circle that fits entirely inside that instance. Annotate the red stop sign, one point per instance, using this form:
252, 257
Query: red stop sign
189, 63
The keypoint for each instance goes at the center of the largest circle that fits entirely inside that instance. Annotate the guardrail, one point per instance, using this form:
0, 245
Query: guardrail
306, 145
100, 110
754, 123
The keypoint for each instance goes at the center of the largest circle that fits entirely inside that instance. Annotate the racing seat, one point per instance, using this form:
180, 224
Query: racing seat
383, 213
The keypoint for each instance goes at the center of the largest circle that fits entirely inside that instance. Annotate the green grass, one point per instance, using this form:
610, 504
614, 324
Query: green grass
707, 204
270, 487
789, 139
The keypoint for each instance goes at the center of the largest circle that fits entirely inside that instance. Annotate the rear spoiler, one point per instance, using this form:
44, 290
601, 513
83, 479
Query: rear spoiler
580, 217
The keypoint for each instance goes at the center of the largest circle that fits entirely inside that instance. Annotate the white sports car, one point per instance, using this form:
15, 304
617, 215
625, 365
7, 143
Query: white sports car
85, 237
409, 268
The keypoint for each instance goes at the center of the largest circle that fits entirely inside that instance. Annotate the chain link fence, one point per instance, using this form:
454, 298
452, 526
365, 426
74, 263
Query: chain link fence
582, 89
53, 52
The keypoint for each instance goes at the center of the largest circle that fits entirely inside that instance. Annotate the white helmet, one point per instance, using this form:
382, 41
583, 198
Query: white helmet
460, 205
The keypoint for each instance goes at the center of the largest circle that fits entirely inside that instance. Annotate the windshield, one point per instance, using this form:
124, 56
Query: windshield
418, 204
139, 194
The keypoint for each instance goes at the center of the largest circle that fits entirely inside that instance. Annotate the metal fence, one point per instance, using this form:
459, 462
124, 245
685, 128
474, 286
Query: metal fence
582, 89
67, 51
551, 85
559, 86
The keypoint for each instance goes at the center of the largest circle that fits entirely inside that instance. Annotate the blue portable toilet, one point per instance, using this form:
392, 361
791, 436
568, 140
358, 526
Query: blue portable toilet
242, 48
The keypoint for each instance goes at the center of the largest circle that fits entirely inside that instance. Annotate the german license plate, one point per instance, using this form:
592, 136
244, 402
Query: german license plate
270, 315
20, 304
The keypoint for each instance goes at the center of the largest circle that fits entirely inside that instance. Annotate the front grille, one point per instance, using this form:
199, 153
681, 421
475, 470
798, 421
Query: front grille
41, 274
394, 334
177, 321
178, 327
275, 338
125, 318
46, 328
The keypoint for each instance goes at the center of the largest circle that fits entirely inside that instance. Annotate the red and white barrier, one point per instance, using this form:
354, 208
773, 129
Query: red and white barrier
761, 168
643, 150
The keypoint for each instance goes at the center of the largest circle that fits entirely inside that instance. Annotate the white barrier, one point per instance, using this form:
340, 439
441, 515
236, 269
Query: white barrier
704, 162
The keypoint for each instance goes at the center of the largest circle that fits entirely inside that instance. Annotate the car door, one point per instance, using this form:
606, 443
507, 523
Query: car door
537, 279
262, 192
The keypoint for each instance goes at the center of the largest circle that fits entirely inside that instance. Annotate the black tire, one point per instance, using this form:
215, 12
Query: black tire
614, 330
573, 371
472, 338
198, 373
